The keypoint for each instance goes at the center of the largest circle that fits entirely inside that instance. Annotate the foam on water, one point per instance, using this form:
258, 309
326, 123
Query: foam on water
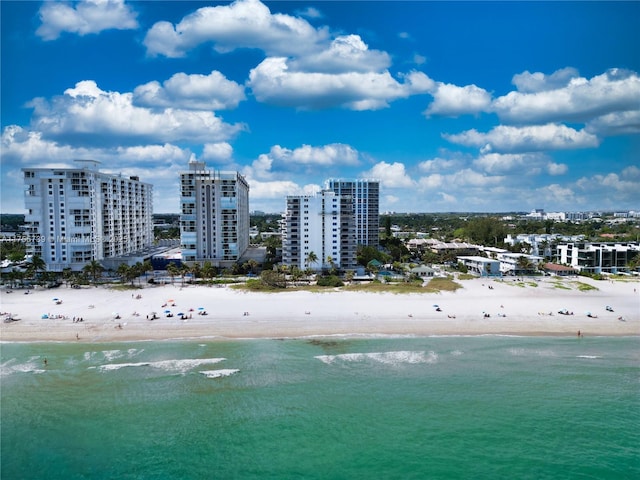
32, 365
219, 373
390, 358
176, 366
588, 356
518, 352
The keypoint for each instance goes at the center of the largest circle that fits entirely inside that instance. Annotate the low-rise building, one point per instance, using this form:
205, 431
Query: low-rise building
485, 267
598, 257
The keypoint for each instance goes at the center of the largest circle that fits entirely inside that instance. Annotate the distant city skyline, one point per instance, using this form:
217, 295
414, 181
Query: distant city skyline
453, 106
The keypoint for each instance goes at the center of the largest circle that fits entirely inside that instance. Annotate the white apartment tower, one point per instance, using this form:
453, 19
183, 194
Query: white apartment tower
322, 224
214, 220
76, 215
366, 203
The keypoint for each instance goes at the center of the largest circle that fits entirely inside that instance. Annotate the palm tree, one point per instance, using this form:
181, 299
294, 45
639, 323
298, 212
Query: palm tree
524, 264
184, 270
93, 268
544, 245
348, 276
147, 267
172, 270
196, 270
252, 264
123, 271
208, 271
332, 265
137, 271
311, 258
37, 265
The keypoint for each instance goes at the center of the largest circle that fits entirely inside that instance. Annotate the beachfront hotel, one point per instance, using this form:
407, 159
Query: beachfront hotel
320, 226
76, 215
214, 215
365, 195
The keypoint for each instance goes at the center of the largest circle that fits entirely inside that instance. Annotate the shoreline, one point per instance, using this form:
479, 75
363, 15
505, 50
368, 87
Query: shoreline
513, 310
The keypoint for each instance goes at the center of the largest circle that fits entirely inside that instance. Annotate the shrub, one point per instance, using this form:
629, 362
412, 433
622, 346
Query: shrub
330, 281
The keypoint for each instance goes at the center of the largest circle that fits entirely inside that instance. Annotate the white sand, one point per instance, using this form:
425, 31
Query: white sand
526, 311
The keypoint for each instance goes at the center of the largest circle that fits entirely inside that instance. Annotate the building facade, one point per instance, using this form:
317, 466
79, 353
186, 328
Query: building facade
365, 195
214, 219
319, 226
76, 215
482, 266
598, 257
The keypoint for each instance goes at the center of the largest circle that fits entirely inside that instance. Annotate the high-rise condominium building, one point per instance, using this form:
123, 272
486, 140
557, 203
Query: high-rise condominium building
318, 232
76, 215
214, 220
366, 203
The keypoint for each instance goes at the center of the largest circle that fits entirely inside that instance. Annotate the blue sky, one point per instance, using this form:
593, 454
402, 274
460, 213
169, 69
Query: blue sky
453, 106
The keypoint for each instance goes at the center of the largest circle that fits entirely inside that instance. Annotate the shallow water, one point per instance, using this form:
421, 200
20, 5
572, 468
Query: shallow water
444, 407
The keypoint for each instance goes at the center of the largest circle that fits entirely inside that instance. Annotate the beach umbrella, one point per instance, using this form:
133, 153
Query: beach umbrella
436, 306
180, 314
56, 299
167, 311
171, 300
200, 308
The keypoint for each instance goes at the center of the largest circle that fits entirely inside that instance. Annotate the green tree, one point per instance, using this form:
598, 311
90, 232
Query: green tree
387, 226
332, 265
366, 253
311, 259
524, 264
196, 270
273, 279
93, 268
123, 272
172, 271
184, 271
208, 270
252, 265
486, 231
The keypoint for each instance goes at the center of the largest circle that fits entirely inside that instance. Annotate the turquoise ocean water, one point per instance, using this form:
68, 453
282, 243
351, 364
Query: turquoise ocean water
487, 407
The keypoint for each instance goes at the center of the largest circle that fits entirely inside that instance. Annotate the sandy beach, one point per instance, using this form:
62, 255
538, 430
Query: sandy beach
512, 309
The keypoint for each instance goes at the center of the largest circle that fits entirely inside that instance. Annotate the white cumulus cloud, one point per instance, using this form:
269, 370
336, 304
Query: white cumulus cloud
452, 100
333, 154
272, 82
221, 151
347, 53
528, 82
391, 175
82, 18
531, 138
242, 24
87, 115
580, 100
516, 163
192, 92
